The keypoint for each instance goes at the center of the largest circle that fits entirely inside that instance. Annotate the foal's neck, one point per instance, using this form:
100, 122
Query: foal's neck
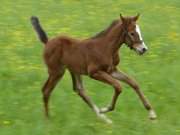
114, 38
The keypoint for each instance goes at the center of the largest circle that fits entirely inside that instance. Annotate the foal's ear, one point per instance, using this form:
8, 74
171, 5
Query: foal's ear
122, 18
135, 18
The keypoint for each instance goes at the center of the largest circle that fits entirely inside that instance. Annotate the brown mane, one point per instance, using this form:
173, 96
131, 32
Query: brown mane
105, 31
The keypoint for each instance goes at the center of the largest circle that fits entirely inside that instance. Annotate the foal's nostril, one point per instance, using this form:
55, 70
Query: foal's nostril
144, 49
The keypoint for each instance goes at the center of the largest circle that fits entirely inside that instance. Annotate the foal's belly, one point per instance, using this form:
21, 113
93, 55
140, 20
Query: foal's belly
79, 62
83, 69
76, 67
75, 63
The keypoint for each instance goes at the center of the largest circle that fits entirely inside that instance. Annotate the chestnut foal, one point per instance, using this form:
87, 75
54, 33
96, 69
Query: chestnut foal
96, 57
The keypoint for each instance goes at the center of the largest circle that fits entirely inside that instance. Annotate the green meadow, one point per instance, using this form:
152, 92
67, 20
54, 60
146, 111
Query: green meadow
22, 71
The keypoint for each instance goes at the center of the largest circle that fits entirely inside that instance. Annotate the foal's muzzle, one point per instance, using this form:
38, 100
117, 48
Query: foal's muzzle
140, 48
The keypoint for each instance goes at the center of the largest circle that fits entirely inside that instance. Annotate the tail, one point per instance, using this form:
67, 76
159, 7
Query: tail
37, 27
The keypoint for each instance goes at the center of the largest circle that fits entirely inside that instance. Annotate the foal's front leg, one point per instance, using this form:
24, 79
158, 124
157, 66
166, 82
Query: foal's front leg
106, 78
125, 78
78, 87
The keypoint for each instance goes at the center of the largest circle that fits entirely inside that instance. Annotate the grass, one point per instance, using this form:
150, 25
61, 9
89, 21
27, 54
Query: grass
22, 71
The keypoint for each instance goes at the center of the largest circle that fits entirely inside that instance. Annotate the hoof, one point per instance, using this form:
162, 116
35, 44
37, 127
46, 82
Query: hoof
152, 115
104, 110
105, 119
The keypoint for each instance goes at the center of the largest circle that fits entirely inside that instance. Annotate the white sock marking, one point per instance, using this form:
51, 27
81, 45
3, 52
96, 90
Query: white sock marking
152, 114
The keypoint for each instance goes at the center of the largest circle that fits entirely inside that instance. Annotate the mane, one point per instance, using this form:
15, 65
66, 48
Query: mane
105, 31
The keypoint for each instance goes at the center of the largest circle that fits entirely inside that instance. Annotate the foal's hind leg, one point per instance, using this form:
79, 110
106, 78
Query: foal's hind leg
49, 86
78, 87
125, 78
74, 81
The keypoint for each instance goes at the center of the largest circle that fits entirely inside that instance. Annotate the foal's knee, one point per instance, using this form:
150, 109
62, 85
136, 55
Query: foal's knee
80, 93
135, 86
118, 88
78, 90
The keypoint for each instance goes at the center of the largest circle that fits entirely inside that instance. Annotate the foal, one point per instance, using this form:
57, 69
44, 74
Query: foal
96, 57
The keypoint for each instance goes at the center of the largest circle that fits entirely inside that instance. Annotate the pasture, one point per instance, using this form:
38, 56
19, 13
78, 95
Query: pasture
22, 71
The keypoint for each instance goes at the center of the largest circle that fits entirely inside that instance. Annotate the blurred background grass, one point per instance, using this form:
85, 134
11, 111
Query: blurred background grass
22, 71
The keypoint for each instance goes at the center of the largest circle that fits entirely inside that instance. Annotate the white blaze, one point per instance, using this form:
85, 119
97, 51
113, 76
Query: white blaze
143, 44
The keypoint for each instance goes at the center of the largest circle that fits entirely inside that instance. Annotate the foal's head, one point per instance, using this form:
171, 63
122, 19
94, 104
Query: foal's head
132, 34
